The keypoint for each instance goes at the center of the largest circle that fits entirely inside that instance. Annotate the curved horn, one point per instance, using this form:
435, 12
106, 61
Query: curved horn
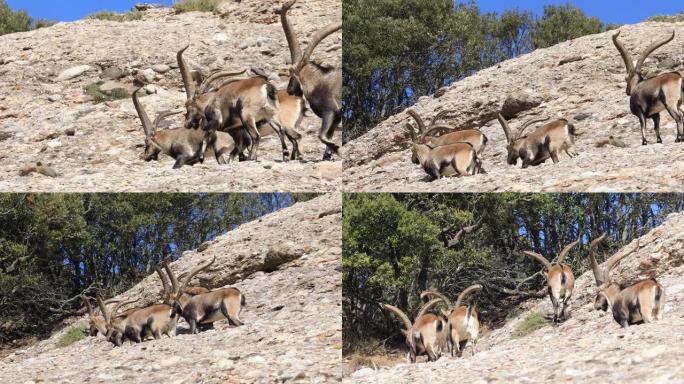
121, 304
144, 119
206, 83
402, 316
539, 258
437, 117
600, 275
175, 287
412, 133
434, 129
419, 121
650, 50
506, 127
103, 308
188, 82
566, 249
626, 57
427, 306
527, 124
163, 115
292, 41
88, 307
612, 262
195, 271
438, 295
320, 35
165, 283
466, 292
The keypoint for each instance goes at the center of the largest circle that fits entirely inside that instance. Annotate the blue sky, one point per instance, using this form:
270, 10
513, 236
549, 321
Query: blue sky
69, 10
610, 11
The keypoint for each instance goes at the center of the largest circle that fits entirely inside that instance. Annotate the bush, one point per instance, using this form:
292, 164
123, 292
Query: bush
71, 336
11, 21
196, 5
532, 322
667, 18
113, 16
100, 97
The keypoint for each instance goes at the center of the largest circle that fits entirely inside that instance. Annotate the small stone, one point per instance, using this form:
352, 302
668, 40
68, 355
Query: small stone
72, 73
220, 37
161, 68
363, 372
70, 131
112, 104
244, 45
112, 73
148, 74
54, 98
225, 364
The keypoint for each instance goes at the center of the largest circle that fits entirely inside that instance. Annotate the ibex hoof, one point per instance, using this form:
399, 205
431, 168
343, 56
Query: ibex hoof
327, 157
644, 142
659, 140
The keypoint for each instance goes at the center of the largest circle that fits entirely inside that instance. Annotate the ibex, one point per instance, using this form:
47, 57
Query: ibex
649, 97
184, 145
199, 97
559, 279
540, 145
97, 322
320, 85
205, 308
463, 322
641, 302
426, 336
444, 160
427, 135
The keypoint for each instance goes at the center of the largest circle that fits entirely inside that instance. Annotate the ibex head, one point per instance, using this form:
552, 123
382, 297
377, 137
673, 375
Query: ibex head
197, 99
634, 75
152, 148
517, 141
606, 288
295, 86
115, 330
176, 295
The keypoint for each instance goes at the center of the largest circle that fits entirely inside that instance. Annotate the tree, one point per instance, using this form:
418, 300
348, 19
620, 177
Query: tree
11, 21
562, 23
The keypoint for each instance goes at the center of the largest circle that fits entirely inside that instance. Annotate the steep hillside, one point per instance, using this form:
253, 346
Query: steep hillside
581, 80
286, 264
590, 347
46, 116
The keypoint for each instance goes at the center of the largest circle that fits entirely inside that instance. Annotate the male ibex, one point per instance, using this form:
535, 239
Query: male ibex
320, 85
184, 145
649, 97
559, 279
426, 336
444, 160
97, 322
643, 301
540, 145
463, 322
199, 97
205, 308
451, 136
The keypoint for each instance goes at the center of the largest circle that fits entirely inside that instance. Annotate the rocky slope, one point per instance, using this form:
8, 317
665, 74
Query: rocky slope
287, 265
46, 116
590, 347
581, 80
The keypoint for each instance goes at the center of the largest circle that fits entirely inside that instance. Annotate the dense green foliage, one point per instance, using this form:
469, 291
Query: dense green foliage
396, 246
531, 323
196, 5
18, 21
53, 246
395, 51
668, 18
71, 336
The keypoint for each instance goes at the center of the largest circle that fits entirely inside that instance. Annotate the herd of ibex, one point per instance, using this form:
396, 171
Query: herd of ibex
228, 112
198, 306
432, 334
444, 150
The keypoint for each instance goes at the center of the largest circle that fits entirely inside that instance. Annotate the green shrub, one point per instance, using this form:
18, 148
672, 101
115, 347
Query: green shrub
196, 5
71, 336
113, 16
532, 322
100, 97
667, 18
11, 21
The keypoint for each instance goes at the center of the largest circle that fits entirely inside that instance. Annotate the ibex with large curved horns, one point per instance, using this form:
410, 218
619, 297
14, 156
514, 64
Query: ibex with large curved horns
97, 322
200, 95
137, 323
463, 322
559, 279
451, 135
543, 143
320, 85
445, 160
643, 301
649, 97
205, 308
426, 336
184, 145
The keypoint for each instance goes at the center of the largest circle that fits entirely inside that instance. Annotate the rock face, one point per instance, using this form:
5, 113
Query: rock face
48, 69
582, 80
590, 347
287, 265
